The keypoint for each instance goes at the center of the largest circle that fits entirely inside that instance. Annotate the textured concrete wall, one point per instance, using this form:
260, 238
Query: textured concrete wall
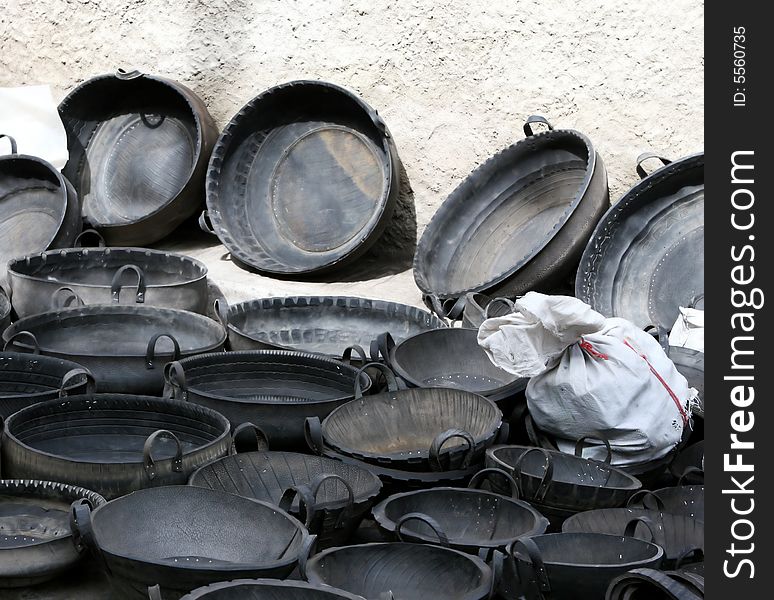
453, 79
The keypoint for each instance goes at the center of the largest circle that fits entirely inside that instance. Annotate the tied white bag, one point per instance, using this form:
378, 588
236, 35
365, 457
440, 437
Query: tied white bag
591, 376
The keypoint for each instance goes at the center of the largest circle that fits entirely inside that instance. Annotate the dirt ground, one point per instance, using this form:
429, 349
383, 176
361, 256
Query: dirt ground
454, 81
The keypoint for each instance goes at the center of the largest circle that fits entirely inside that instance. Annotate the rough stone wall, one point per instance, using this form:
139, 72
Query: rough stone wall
453, 79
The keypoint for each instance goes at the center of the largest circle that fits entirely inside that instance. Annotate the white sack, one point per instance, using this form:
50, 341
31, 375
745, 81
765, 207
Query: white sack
30, 116
688, 331
586, 380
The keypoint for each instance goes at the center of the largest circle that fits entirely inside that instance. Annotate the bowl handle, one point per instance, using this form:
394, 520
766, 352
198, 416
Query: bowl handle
448, 310
14, 147
640, 496
532, 120
307, 497
220, 309
91, 384
23, 334
154, 592
581, 444
315, 486
259, 439
147, 458
205, 224
496, 565
540, 575
70, 300
174, 378
346, 356
77, 242
150, 354
80, 525
545, 480
383, 346
484, 474
306, 502
507, 301
392, 383
115, 285
647, 156
439, 442
427, 520
313, 434
631, 527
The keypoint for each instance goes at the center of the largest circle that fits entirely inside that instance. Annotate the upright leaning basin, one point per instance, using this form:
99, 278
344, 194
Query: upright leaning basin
646, 257
304, 178
39, 208
519, 222
139, 146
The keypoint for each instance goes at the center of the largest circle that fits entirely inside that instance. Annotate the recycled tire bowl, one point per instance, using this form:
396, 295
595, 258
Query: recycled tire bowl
676, 534
519, 222
36, 543
39, 209
139, 146
303, 179
322, 324
27, 379
409, 571
151, 537
469, 519
574, 565
112, 443
333, 515
646, 257
268, 589
108, 276
410, 429
274, 388
124, 347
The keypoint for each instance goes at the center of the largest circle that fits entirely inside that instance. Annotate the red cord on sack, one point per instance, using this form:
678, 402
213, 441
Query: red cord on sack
664, 383
586, 345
